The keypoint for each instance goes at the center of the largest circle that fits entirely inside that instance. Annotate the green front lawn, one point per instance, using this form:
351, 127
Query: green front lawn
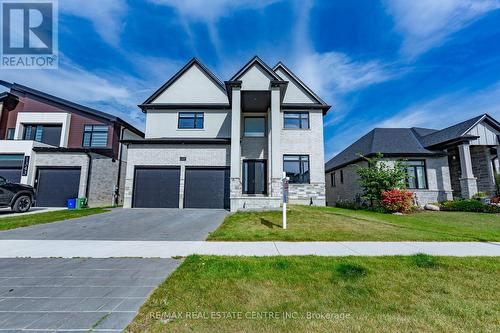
320, 294
307, 223
24, 220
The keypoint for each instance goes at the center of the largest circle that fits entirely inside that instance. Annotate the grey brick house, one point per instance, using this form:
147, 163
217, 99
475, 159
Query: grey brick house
457, 161
63, 149
210, 144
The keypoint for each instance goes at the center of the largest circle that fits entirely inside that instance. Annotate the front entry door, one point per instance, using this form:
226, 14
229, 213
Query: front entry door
254, 177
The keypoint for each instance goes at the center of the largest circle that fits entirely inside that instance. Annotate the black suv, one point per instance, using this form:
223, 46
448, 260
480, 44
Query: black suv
17, 196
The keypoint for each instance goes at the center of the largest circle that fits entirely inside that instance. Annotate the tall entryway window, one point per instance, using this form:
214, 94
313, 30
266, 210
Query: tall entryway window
254, 177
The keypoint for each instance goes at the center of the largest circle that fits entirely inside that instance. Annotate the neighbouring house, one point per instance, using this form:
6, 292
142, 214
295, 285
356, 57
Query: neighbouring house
210, 144
63, 149
456, 162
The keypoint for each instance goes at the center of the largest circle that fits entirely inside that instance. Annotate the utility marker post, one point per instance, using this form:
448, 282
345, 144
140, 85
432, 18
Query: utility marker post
285, 181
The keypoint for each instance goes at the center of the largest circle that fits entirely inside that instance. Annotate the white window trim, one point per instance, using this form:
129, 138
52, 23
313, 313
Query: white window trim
55, 118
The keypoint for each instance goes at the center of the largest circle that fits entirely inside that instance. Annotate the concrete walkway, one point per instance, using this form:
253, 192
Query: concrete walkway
169, 249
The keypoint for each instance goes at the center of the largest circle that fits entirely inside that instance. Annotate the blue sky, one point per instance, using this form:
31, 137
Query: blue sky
393, 63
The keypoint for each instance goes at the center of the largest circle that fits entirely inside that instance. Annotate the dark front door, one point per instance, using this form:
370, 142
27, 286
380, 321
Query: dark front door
206, 188
156, 187
54, 186
254, 177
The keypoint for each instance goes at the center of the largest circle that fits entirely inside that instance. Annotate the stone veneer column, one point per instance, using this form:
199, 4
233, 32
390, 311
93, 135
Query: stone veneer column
275, 153
235, 183
468, 182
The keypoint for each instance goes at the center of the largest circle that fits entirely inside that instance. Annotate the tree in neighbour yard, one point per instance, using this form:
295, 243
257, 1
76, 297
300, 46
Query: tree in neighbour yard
380, 176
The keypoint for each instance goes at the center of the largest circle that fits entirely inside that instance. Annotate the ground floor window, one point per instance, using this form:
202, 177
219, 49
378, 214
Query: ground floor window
296, 168
416, 177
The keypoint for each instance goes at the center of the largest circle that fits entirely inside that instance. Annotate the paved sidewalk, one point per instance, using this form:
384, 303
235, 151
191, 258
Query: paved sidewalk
169, 249
76, 295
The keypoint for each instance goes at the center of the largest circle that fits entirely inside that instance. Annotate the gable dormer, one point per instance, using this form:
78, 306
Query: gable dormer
193, 84
255, 75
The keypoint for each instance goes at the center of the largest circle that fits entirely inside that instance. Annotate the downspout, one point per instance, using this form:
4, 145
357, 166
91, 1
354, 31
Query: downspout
89, 173
120, 154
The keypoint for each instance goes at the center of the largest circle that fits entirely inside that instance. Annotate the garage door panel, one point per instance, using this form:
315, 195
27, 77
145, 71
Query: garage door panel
55, 186
206, 188
156, 187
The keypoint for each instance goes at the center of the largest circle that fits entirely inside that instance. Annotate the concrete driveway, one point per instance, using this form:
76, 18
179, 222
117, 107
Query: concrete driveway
128, 224
76, 295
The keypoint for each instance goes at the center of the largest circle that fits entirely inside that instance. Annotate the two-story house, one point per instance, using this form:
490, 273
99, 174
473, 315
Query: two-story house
210, 144
63, 149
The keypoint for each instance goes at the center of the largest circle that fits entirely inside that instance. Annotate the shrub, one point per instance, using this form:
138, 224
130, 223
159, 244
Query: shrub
380, 176
469, 205
348, 204
480, 195
396, 200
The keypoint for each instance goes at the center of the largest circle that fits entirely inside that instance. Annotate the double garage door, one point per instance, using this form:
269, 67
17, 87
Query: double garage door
159, 187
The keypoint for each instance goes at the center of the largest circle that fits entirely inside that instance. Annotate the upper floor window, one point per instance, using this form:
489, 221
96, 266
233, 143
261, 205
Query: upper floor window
190, 120
49, 134
416, 177
332, 179
341, 176
296, 168
255, 126
10, 133
95, 136
297, 120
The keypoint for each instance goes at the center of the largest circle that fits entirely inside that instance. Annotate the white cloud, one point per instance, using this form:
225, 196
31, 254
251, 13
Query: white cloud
448, 110
336, 72
211, 11
117, 96
427, 23
107, 16
436, 113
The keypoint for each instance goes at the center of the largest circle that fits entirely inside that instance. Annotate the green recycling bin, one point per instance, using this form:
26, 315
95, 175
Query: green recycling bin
81, 203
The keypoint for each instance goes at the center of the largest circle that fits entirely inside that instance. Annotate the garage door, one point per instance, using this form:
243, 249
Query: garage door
11, 167
206, 188
156, 187
55, 186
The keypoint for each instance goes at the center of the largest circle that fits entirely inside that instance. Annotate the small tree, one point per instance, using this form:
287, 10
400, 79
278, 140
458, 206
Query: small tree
380, 176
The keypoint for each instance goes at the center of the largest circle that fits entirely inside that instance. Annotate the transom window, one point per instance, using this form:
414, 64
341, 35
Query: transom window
95, 136
190, 120
255, 126
296, 168
416, 177
297, 120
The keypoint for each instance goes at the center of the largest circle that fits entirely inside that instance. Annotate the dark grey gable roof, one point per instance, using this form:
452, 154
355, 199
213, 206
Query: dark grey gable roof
408, 141
15, 87
451, 133
400, 142
282, 66
248, 65
177, 75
